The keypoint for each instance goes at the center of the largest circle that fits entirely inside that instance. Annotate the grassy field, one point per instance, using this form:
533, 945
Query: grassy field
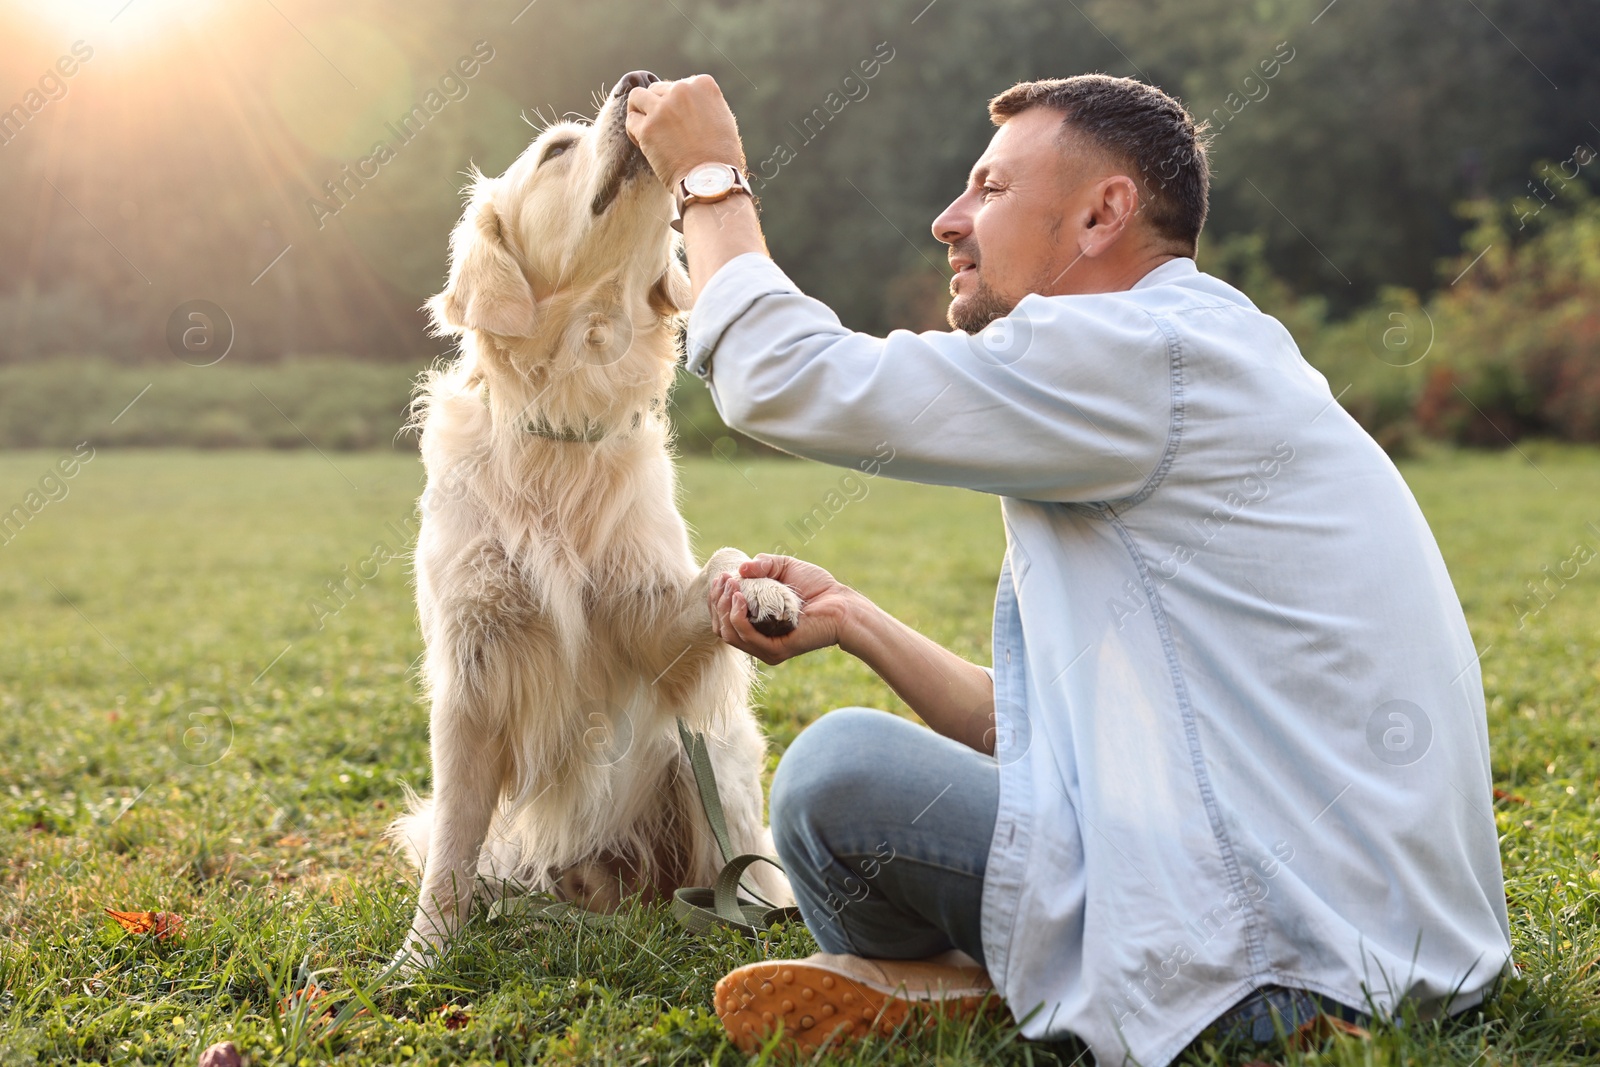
183, 728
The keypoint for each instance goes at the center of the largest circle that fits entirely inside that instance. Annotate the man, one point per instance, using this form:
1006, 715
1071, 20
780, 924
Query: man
1231, 763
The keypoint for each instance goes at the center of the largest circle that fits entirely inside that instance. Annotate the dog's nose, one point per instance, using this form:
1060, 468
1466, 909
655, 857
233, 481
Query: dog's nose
634, 79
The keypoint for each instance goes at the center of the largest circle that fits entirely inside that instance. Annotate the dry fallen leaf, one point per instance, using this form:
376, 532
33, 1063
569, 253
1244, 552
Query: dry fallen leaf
454, 1018
1318, 1030
291, 841
1501, 794
162, 924
306, 996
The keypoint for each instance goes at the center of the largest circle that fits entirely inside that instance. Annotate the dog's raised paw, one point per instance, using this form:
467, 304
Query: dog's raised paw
774, 608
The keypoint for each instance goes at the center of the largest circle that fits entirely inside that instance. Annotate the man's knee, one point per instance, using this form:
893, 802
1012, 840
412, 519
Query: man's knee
828, 770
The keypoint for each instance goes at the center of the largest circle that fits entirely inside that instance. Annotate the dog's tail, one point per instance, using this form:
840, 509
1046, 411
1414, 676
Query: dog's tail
409, 833
498, 862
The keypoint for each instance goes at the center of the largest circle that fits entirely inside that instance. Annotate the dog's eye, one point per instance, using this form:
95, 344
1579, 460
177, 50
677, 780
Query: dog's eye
553, 150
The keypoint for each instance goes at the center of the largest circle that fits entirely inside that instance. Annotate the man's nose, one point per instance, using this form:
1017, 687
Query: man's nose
634, 79
951, 225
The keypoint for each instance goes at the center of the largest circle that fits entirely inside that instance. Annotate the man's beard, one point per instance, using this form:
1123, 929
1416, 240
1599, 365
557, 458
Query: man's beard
972, 313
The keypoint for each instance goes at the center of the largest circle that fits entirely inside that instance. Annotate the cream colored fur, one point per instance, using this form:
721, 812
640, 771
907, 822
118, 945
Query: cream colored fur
564, 617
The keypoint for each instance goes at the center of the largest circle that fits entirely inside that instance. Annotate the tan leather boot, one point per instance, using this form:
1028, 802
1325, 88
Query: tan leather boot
845, 997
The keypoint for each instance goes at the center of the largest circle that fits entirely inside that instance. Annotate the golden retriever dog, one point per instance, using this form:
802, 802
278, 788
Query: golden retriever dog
564, 618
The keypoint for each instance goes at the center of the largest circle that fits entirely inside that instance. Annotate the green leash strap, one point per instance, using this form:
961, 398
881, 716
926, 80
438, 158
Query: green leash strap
702, 910
705, 779
699, 909
725, 893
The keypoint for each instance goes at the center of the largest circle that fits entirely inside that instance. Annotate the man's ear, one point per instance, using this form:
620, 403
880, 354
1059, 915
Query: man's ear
1113, 205
672, 293
487, 289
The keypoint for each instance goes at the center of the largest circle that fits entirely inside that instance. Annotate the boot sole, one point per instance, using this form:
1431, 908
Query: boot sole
818, 1005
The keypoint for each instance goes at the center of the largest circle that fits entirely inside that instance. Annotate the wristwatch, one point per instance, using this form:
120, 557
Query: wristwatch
706, 184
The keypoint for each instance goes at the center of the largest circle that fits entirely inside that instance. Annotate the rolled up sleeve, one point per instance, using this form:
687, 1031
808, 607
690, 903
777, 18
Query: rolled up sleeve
1065, 399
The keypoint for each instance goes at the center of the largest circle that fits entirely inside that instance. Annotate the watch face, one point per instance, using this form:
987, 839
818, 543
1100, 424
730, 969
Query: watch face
711, 180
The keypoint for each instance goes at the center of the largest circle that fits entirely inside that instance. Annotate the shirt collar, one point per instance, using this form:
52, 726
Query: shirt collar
1170, 271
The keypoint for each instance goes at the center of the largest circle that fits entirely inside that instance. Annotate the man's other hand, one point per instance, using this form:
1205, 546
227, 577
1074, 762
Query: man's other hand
680, 125
823, 618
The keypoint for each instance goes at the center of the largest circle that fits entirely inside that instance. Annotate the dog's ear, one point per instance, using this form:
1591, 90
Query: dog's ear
672, 293
487, 289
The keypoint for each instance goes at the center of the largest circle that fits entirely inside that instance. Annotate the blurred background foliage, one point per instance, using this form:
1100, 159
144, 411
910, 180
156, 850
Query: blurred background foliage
1407, 189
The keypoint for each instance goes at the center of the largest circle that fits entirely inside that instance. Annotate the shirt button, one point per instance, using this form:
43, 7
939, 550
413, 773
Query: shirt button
1008, 657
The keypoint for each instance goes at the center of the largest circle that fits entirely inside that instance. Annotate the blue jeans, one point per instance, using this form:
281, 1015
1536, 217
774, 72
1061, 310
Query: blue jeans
884, 829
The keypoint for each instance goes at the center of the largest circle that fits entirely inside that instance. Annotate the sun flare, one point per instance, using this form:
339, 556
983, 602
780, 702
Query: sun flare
112, 23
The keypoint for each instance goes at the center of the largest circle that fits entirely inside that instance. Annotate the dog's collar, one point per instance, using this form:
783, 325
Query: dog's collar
592, 433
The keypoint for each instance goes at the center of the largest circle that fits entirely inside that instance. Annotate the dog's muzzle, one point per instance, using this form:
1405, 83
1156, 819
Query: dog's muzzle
629, 160
634, 79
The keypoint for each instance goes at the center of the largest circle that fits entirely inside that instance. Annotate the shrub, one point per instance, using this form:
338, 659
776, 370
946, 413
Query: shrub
1366, 358
1520, 332
1509, 347
332, 403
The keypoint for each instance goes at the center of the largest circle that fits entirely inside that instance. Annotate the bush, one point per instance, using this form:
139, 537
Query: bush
1367, 358
1510, 348
1520, 332
334, 404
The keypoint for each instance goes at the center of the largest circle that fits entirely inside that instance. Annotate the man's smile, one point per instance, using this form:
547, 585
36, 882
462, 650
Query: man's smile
962, 266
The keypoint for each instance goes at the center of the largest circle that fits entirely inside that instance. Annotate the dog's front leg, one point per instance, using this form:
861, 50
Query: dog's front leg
467, 773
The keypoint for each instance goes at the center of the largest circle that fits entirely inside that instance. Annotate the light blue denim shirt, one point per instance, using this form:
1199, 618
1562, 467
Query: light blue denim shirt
1239, 714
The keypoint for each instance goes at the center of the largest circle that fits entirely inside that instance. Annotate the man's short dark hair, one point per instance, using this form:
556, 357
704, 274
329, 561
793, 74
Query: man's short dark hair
1138, 125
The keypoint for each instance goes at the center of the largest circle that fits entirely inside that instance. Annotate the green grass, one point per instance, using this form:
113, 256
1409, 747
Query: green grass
166, 583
